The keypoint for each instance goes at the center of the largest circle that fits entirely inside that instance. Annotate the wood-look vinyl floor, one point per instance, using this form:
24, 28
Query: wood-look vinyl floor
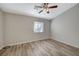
47, 47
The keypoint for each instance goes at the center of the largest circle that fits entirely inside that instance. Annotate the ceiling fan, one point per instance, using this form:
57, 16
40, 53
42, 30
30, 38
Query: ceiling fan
45, 7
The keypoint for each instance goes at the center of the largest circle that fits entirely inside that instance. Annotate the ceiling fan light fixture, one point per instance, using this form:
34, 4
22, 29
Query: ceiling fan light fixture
46, 8
48, 12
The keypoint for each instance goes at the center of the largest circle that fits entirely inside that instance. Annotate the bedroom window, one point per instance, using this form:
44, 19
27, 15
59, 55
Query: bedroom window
38, 27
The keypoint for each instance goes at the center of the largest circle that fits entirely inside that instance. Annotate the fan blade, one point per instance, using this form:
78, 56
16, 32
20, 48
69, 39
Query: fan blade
40, 11
38, 6
53, 6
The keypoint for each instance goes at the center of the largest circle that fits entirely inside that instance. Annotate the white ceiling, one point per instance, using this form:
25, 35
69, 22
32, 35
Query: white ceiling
28, 9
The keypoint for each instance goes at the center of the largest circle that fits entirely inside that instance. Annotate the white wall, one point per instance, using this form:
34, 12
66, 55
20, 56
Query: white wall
65, 27
19, 29
1, 30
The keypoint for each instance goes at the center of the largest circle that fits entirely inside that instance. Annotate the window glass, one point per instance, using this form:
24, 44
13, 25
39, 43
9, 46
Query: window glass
38, 26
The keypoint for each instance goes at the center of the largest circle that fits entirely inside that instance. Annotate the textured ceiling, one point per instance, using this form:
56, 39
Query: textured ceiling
28, 9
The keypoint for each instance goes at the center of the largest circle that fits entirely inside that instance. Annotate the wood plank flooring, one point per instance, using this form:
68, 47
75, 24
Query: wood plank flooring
46, 47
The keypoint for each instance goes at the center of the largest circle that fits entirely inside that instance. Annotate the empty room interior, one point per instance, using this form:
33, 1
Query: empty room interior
39, 29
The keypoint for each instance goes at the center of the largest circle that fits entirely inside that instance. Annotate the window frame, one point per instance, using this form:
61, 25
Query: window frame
40, 24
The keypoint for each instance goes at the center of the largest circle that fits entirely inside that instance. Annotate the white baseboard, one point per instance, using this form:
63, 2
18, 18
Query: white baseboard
11, 44
65, 42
